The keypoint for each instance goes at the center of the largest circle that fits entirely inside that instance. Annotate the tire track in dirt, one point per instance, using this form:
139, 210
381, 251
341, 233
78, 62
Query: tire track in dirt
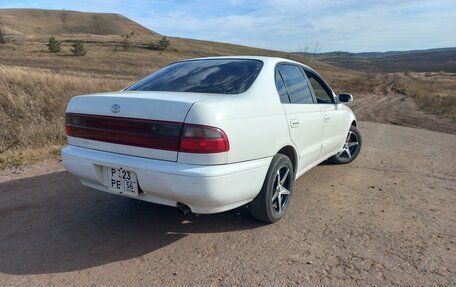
384, 105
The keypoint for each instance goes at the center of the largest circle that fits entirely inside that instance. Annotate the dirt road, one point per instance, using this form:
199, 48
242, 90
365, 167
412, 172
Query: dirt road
388, 218
384, 105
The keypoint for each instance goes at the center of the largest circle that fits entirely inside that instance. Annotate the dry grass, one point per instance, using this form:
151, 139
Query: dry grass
435, 93
32, 106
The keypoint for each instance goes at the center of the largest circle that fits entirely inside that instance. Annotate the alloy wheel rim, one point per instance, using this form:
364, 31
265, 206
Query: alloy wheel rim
350, 146
281, 189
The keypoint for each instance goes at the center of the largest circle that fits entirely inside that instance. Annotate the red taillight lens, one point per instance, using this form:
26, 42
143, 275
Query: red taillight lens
203, 139
68, 128
153, 134
126, 131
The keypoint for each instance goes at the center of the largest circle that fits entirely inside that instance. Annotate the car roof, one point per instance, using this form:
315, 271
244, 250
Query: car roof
264, 59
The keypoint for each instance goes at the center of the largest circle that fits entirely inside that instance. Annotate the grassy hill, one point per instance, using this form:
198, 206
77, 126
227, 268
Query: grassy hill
27, 31
31, 22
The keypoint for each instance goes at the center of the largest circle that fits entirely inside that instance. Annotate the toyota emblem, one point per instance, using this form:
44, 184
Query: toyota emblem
115, 108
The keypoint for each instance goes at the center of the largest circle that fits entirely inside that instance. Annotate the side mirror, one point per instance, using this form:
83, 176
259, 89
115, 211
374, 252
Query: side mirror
345, 98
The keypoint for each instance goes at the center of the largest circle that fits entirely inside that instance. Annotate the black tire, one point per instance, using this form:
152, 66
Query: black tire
350, 150
266, 208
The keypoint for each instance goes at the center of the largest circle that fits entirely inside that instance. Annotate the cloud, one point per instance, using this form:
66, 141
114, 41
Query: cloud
349, 25
352, 25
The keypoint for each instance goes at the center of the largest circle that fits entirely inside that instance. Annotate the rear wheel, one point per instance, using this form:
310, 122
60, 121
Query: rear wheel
351, 149
272, 202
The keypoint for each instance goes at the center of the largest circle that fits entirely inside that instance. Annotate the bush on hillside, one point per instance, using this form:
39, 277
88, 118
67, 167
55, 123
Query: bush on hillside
126, 44
160, 45
2, 36
53, 45
78, 49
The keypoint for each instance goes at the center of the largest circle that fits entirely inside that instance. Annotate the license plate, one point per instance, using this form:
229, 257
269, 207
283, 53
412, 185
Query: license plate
122, 180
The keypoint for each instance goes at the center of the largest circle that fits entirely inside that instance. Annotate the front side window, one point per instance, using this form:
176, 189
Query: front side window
216, 76
296, 84
322, 92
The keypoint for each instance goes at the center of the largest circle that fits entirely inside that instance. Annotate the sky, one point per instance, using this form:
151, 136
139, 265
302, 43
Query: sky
287, 25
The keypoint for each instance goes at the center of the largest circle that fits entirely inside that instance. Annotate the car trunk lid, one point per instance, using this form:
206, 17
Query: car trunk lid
146, 124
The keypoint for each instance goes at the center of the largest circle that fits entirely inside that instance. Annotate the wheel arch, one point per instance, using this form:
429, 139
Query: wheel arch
290, 152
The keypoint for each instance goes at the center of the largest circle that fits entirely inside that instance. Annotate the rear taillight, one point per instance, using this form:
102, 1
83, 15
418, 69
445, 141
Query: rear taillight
68, 127
203, 139
126, 131
154, 134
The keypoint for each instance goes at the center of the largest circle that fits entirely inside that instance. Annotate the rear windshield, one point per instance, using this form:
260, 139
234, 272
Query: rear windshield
226, 76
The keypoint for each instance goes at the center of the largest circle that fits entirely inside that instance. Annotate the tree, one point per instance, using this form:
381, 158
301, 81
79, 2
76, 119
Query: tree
126, 44
53, 45
311, 51
78, 49
2, 36
163, 43
159, 45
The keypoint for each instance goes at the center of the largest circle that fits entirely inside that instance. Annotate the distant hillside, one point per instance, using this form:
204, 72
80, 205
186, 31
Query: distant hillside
28, 30
398, 53
58, 22
432, 60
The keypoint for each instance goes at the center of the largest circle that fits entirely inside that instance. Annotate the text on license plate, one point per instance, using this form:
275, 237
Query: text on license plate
122, 180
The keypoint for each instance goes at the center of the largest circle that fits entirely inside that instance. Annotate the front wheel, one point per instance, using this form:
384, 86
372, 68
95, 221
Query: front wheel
272, 202
351, 149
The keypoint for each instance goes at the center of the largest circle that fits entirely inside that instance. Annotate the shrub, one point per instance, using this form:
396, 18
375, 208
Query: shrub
2, 36
53, 45
78, 49
126, 44
163, 43
159, 45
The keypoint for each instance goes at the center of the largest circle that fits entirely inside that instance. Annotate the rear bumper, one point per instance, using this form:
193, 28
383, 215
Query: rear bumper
204, 188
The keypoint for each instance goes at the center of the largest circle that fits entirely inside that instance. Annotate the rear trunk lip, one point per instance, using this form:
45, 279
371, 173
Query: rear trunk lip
124, 118
119, 133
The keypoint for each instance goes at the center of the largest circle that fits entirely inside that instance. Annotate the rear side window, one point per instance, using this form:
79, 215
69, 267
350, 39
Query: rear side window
296, 84
224, 76
281, 88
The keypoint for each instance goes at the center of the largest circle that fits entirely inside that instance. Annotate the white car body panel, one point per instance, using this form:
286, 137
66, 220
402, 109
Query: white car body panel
256, 123
335, 125
205, 189
306, 131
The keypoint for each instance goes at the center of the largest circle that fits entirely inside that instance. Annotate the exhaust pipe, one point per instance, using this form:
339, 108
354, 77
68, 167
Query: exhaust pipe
183, 209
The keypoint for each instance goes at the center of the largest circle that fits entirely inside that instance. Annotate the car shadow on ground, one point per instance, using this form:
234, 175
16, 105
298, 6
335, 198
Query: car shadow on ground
52, 224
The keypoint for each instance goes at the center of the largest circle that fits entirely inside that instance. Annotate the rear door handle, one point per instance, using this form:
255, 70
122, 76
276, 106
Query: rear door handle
294, 123
327, 118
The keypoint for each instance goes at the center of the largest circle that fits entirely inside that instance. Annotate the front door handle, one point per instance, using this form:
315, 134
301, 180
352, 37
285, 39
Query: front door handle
327, 118
294, 123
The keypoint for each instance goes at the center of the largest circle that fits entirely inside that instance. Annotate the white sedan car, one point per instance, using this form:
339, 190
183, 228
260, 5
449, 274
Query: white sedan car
208, 135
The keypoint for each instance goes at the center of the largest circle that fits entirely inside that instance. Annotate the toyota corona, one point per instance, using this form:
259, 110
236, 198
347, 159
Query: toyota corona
211, 134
